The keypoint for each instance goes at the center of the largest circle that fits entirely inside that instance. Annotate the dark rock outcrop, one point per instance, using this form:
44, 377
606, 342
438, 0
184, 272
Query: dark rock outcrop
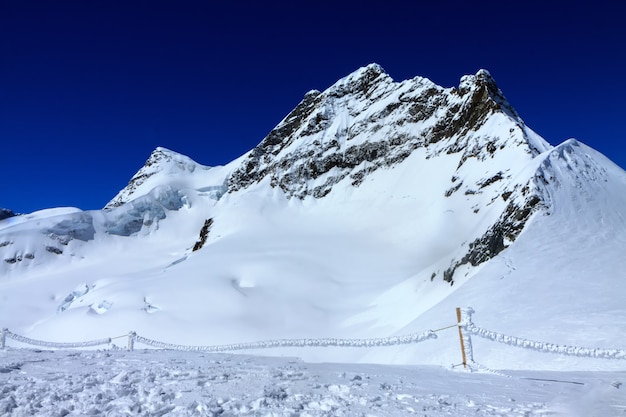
204, 233
6, 213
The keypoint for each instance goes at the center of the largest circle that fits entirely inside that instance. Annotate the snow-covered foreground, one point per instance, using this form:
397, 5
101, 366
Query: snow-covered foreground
166, 383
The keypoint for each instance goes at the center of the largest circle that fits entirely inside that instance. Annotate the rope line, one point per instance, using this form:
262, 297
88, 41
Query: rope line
59, 345
389, 341
465, 323
583, 352
445, 328
326, 342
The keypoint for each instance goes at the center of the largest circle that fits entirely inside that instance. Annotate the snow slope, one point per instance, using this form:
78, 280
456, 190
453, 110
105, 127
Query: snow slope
373, 209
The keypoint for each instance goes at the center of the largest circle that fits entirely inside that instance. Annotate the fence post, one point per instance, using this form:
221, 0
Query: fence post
131, 340
3, 337
458, 320
467, 338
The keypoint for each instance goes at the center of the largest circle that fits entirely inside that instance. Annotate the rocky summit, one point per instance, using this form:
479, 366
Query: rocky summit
366, 122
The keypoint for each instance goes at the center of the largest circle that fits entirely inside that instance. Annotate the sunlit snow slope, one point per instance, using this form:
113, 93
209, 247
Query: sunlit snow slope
373, 209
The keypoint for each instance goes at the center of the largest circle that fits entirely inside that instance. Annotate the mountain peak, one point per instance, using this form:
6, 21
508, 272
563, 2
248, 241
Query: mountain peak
482, 77
368, 71
361, 80
483, 87
483, 74
372, 68
161, 149
160, 160
160, 154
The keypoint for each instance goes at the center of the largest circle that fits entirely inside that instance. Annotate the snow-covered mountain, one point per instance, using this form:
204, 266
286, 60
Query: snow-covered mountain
174, 169
373, 209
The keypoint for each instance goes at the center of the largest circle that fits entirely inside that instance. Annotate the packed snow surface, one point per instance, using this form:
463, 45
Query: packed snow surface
165, 383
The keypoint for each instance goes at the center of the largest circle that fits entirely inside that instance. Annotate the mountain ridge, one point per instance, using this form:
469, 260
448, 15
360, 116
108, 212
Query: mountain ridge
317, 112
307, 170
317, 146
352, 218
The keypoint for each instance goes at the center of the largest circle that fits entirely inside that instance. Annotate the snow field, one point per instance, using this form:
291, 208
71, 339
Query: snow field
166, 383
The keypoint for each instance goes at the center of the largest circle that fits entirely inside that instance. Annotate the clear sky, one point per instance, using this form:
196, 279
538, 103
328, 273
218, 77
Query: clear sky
89, 88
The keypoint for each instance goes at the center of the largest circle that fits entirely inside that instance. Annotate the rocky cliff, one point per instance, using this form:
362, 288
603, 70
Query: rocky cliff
366, 122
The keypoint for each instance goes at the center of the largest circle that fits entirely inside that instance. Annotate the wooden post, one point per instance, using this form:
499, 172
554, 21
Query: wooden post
458, 320
131, 341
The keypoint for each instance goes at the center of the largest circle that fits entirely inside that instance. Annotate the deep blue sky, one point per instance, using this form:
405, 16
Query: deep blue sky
89, 88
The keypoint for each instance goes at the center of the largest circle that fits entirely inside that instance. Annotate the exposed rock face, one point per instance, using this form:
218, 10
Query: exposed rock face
499, 236
366, 122
6, 213
204, 233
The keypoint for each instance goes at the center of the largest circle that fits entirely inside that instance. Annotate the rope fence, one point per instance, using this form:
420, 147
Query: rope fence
466, 329
58, 345
327, 342
133, 338
582, 352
